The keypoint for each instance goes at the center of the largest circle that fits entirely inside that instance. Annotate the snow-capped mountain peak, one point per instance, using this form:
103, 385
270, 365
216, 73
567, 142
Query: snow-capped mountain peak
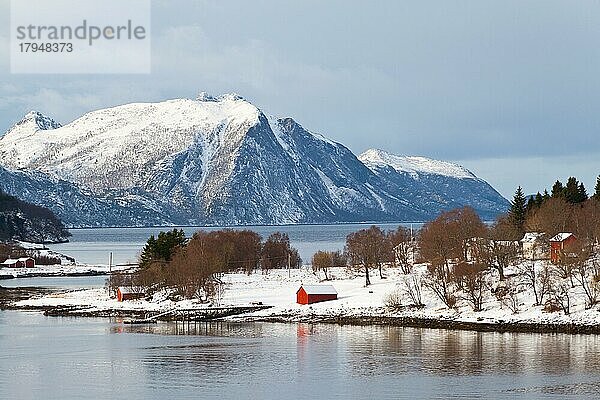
220, 160
42, 121
32, 122
413, 165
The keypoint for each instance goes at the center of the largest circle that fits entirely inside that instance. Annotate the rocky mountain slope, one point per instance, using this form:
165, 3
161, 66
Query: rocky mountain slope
219, 161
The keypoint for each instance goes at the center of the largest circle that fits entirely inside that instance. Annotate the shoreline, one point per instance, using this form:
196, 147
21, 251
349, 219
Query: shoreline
272, 298
438, 323
500, 326
54, 275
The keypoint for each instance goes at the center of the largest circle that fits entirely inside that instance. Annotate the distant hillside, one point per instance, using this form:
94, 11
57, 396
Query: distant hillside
23, 221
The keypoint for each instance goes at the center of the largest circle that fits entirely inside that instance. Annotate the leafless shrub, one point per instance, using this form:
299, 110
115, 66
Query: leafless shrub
393, 300
413, 285
439, 281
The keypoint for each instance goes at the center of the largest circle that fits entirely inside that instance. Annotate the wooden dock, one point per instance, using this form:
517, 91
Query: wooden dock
196, 314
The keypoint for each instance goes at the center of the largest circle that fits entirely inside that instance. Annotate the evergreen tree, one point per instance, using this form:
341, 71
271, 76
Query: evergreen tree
546, 195
530, 203
539, 200
597, 189
558, 190
582, 193
518, 210
162, 248
571, 190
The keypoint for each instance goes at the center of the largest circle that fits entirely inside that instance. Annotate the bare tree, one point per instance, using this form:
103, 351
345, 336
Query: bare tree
439, 281
323, 260
413, 285
278, 253
439, 241
470, 279
402, 245
393, 300
502, 250
560, 295
368, 248
508, 295
539, 278
553, 216
580, 257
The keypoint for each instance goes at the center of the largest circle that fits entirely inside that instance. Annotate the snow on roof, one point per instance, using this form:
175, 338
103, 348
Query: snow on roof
25, 259
319, 289
129, 290
561, 237
10, 261
531, 237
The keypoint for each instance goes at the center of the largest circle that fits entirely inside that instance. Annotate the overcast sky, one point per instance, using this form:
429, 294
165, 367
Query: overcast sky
511, 90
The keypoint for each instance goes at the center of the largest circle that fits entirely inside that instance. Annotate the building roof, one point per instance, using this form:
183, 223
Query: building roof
318, 289
10, 261
25, 259
561, 237
531, 237
130, 290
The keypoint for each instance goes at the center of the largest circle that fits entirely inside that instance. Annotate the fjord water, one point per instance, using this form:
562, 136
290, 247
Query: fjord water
92, 246
70, 358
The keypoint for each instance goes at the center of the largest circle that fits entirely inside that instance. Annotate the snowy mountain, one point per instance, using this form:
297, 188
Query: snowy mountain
219, 161
435, 185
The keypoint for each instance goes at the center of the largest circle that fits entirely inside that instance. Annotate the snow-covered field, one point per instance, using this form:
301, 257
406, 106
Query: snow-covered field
278, 289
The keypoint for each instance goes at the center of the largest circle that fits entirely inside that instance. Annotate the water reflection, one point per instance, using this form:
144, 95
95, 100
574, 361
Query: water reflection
70, 357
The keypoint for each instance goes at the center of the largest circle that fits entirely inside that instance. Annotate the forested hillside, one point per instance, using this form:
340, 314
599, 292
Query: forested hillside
20, 220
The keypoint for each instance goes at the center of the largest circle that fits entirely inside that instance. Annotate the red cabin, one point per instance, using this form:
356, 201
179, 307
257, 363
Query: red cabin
308, 294
558, 244
126, 293
24, 262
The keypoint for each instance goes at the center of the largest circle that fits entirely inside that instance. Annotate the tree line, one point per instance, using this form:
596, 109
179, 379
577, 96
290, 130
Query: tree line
566, 209
192, 268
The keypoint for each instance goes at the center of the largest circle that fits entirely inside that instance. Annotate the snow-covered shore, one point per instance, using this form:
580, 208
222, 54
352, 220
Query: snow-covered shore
355, 304
67, 267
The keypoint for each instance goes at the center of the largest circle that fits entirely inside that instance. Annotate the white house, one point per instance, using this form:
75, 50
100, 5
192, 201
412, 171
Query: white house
532, 246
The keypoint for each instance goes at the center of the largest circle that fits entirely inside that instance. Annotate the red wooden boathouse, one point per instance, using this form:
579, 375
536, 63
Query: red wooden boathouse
308, 294
127, 293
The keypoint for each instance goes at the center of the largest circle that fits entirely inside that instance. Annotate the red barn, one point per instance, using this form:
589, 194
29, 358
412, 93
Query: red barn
558, 244
308, 294
127, 293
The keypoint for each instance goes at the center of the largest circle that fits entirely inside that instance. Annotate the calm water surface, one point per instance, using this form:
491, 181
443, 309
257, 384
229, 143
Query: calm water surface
92, 246
84, 358
70, 358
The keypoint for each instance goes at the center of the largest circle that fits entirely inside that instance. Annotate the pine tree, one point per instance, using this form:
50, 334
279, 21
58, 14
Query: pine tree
558, 190
581, 193
162, 248
539, 200
518, 210
572, 190
546, 195
530, 204
597, 189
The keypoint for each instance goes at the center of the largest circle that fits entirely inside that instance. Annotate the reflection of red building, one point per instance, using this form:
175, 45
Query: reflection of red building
308, 294
558, 244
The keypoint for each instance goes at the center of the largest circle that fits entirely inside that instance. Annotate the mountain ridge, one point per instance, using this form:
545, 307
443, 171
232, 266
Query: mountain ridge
223, 161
